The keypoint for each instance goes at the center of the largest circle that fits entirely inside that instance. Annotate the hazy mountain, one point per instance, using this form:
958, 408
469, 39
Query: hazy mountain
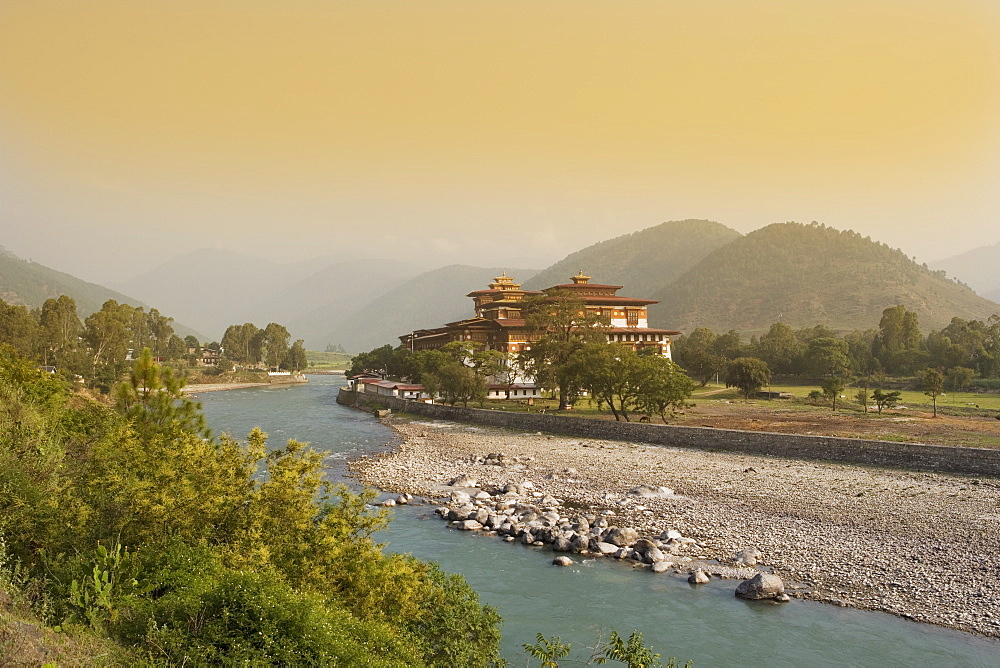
30, 284
428, 300
215, 289
805, 275
644, 261
978, 268
993, 295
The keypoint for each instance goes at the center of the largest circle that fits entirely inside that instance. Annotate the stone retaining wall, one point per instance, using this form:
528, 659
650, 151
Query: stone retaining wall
914, 456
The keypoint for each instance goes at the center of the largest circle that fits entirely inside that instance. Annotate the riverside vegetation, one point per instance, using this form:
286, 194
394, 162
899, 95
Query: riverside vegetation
143, 540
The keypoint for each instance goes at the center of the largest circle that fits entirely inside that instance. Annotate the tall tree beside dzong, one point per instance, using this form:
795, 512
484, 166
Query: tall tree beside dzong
563, 325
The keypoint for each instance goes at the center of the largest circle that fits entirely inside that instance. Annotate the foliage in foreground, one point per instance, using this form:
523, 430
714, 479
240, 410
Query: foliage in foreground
632, 652
184, 549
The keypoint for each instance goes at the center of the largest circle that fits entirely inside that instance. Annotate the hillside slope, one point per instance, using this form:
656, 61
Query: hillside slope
805, 275
428, 300
978, 268
29, 284
643, 261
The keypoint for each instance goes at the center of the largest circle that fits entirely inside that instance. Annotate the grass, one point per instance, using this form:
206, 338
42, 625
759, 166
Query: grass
320, 361
959, 402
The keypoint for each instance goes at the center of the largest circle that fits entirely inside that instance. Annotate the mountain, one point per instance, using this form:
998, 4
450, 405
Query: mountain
805, 275
977, 268
29, 284
993, 295
428, 300
643, 261
216, 288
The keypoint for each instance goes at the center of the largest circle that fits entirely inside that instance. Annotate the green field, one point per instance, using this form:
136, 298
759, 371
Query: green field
322, 361
954, 402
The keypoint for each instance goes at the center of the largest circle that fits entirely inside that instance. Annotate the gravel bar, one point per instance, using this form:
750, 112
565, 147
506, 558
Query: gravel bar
919, 545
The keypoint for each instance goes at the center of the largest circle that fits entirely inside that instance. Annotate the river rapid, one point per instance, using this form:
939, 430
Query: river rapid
707, 624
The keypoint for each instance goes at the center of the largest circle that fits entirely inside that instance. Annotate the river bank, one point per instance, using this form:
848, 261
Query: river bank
199, 388
918, 545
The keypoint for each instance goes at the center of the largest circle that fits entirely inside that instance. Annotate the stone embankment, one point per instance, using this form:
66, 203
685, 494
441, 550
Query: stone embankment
919, 545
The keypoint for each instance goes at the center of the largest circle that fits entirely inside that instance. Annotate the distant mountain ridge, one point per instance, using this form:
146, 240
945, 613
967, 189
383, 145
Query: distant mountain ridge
979, 268
805, 275
643, 261
28, 283
215, 289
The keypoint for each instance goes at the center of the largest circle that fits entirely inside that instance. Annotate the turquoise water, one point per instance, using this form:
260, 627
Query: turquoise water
706, 624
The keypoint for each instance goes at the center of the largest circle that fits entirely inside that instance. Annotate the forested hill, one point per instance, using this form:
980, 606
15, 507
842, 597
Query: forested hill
805, 275
642, 261
428, 300
30, 284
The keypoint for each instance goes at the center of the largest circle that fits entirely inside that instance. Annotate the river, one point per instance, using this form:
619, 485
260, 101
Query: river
707, 624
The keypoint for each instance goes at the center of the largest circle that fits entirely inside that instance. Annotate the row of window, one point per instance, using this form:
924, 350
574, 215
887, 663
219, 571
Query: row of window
636, 337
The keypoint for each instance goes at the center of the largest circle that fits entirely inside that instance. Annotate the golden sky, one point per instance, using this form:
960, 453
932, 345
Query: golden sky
497, 133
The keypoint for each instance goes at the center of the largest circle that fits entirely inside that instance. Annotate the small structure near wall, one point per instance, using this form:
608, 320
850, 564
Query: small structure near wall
517, 391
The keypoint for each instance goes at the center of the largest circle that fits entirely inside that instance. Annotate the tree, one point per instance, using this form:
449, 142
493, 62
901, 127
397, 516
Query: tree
160, 331
826, 358
107, 333
748, 375
898, 334
933, 384
242, 344
460, 383
664, 388
274, 344
958, 378
885, 399
611, 372
152, 398
560, 324
780, 348
296, 360
61, 327
18, 328
695, 353
832, 387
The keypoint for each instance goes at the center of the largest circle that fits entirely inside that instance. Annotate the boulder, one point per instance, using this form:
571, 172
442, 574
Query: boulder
579, 542
605, 548
654, 555
562, 544
622, 536
662, 566
562, 561
470, 525
643, 545
761, 586
699, 577
651, 492
459, 497
749, 556
464, 480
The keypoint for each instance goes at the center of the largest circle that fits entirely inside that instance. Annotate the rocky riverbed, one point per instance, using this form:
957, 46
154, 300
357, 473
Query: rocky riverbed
919, 545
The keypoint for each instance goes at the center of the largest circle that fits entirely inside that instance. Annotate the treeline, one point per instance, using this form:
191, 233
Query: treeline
100, 348
132, 523
961, 352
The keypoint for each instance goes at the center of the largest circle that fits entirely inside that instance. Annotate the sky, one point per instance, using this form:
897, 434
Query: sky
489, 133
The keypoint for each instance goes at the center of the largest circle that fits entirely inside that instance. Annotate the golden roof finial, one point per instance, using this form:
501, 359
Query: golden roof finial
580, 278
